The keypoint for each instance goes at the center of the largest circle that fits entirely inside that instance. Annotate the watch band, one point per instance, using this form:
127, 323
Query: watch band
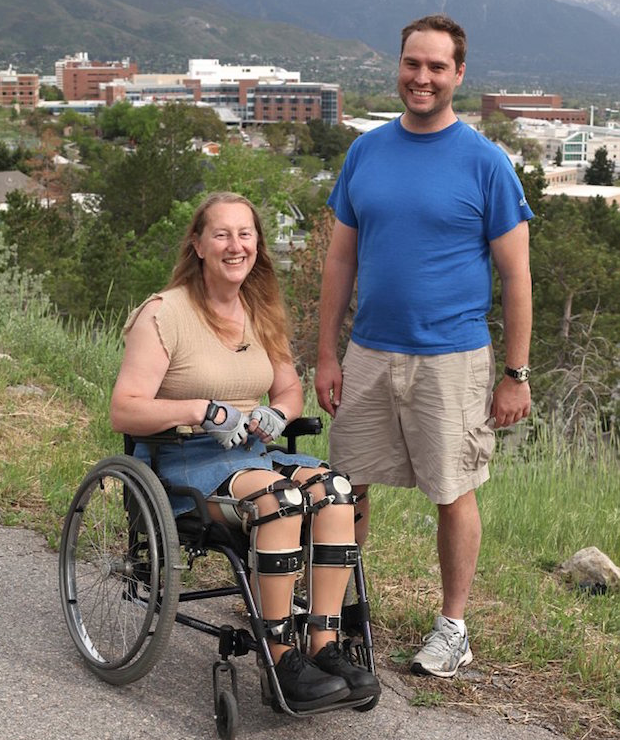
211, 412
520, 374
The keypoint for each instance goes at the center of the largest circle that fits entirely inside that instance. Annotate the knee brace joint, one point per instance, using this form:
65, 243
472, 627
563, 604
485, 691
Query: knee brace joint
289, 496
276, 562
337, 488
336, 556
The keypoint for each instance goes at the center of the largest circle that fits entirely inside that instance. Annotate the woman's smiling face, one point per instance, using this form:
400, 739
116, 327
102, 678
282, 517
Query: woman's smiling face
228, 244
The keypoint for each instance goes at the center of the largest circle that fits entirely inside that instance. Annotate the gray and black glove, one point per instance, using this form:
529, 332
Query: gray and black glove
232, 431
271, 421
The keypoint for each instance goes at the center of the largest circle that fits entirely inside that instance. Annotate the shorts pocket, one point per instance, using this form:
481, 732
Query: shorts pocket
478, 441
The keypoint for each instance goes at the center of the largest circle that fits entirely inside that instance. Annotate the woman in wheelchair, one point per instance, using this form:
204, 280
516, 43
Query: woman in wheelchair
202, 352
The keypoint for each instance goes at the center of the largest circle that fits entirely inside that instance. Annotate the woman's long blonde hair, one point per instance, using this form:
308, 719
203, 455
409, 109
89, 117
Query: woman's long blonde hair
259, 293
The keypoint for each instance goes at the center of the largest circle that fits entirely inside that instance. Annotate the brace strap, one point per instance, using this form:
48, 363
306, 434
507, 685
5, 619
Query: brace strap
325, 621
280, 630
289, 496
276, 562
337, 556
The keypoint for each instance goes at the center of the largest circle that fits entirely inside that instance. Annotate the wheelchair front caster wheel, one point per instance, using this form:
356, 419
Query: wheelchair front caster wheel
227, 715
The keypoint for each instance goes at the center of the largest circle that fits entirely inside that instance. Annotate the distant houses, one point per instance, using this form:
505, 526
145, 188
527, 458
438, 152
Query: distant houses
11, 180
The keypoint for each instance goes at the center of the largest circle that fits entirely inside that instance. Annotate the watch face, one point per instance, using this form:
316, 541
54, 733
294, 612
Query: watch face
521, 374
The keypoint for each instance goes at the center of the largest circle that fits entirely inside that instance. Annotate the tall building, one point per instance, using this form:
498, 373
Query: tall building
531, 105
80, 78
20, 89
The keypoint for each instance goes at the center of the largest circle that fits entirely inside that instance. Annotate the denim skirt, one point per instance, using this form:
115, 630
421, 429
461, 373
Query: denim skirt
202, 463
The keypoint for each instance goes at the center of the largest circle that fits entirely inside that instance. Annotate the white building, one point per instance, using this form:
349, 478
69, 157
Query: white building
212, 72
578, 143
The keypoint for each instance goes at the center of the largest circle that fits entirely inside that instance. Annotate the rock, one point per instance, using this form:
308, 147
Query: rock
25, 390
592, 570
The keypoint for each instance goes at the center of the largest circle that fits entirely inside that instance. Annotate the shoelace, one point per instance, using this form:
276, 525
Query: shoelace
437, 641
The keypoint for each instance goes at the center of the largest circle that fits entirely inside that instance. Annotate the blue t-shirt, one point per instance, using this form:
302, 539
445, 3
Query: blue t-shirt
425, 207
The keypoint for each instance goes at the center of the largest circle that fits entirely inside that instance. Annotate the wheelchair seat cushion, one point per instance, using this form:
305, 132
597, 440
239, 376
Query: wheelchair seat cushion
202, 463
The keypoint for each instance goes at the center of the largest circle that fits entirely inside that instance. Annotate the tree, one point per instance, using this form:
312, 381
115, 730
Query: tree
276, 134
42, 166
330, 141
601, 169
531, 150
50, 92
139, 188
534, 183
497, 127
558, 157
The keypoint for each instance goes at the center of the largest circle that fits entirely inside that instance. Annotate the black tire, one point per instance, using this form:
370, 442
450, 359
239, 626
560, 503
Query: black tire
227, 716
119, 569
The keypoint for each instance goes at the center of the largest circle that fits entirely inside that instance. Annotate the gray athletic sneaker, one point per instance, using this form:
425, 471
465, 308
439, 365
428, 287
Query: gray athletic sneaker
443, 651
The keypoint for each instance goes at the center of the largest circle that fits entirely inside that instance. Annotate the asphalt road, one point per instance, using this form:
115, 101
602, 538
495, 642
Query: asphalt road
47, 693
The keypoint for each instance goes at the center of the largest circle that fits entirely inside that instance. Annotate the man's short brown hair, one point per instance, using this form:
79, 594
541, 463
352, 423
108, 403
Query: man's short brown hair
439, 22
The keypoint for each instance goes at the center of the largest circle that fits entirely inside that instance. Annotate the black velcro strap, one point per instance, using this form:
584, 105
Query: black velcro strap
336, 555
279, 630
277, 563
325, 621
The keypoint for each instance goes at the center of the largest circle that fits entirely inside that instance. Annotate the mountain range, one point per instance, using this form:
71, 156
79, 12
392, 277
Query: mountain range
577, 40
504, 36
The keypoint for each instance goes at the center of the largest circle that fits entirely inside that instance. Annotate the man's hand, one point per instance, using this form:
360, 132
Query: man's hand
328, 384
511, 402
267, 423
228, 427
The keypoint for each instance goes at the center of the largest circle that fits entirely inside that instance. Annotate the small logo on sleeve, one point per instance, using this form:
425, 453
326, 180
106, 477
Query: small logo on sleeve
523, 202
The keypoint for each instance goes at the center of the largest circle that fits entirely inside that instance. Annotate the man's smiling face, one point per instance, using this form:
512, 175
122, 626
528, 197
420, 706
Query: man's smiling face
427, 78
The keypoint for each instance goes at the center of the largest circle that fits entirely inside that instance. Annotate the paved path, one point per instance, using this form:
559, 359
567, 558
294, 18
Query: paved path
47, 693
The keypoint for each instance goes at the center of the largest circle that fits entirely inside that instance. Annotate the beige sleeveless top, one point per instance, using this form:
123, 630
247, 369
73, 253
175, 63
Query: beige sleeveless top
200, 365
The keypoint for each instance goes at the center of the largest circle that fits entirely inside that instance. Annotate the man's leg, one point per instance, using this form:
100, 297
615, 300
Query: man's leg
446, 648
458, 545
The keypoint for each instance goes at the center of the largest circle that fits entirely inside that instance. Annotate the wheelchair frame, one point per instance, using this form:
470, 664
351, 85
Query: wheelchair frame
119, 573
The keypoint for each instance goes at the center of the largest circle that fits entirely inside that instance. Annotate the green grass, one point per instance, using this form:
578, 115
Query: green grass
544, 502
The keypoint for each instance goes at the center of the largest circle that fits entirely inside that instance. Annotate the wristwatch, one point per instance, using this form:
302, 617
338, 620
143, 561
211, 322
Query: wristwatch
520, 374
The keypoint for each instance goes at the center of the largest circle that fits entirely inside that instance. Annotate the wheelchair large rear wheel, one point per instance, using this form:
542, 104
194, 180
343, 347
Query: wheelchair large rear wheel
119, 569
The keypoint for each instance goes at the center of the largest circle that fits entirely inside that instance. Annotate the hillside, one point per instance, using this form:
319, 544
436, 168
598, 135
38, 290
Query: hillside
505, 36
354, 42
160, 36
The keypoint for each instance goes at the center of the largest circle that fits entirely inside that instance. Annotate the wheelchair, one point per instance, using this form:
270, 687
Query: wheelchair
121, 559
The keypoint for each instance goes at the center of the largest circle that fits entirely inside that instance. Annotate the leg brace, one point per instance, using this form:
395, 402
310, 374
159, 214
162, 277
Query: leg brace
338, 490
292, 502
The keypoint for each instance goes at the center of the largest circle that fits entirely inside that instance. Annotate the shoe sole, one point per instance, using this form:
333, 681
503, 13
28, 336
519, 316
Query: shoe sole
323, 701
419, 670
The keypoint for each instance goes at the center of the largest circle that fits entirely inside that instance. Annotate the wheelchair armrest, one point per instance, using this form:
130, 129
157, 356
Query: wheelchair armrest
303, 425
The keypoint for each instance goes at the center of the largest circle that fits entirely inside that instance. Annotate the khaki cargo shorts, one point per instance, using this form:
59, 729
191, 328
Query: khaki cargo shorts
415, 420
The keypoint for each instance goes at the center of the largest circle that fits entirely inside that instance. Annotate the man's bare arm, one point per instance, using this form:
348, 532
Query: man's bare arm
511, 400
338, 279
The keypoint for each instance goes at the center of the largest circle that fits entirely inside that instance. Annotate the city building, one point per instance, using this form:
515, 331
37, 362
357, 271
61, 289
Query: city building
577, 143
531, 105
18, 89
80, 78
245, 94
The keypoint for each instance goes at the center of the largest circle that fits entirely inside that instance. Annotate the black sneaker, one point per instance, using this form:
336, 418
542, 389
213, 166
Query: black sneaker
332, 659
304, 685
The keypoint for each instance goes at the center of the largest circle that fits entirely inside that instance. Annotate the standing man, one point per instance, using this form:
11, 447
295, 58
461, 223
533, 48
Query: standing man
422, 205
